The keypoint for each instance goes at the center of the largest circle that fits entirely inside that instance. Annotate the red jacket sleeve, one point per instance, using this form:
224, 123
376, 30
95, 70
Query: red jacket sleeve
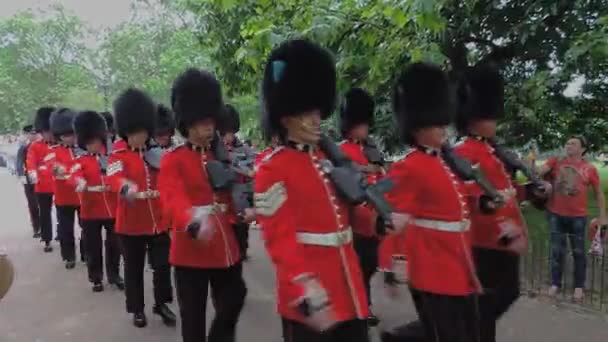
31, 160
75, 174
274, 213
116, 174
173, 196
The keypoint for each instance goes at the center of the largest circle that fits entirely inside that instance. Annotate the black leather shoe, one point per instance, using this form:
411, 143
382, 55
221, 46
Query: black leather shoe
118, 282
97, 287
165, 313
70, 264
36, 235
47, 247
373, 320
139, 319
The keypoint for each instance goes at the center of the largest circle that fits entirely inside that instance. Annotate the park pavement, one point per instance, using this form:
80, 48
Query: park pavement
48, 303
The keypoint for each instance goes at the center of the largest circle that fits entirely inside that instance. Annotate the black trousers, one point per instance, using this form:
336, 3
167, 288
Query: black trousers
228, 290
92, 230
241, 232
447, 318
45, 204
65, 228
349, 331
32, 206
367, 250
134, 249
498, 272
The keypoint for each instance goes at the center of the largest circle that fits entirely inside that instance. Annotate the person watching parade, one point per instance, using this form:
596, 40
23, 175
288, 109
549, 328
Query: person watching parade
98, 205
356, 118
40, 175
139, 224
29, 136
165, 128
59, 161
204, 252
571, 176
305, 224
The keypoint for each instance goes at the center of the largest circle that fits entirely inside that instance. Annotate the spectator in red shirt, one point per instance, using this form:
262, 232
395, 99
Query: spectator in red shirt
571, 178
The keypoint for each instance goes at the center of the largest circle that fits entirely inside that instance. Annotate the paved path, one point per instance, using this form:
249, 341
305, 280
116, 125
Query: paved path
51, 304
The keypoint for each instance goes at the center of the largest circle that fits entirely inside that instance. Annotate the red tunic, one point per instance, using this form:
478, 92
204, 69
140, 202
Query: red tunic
485, 229
363, 217
142, 216
183, 184
295, 202
61, 158
97, 200
37, 166
437, 237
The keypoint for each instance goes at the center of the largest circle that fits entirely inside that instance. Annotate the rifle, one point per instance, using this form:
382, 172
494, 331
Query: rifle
467, 172
512, 161
352, 184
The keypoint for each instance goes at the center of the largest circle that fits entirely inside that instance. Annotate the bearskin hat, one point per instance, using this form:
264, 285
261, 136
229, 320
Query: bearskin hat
134, 111
166, 121
422, 98
357, 108
229, 121
299, 76
89, 125
480, 95
61, 122
196, 95
109, 120
42, 120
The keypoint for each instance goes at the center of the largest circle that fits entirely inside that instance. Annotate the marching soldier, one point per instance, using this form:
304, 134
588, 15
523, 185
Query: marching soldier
499, 237
430, 202
242, 158
205, 250
139, 224
98, 206
306, 228
165, 128
67, 203
356, 117
40, 175
28, 186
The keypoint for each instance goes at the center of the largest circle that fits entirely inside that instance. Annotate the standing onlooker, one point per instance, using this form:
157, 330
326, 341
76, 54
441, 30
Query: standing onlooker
571, 178
29, 136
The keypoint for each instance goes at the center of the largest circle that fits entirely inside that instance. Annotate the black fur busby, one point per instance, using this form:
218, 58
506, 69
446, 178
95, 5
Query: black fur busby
196, 95
357, 108
134, 111
299, 76
42, 121
89, 125
480, 96
109, 120
166, 121
61, 122
229, 121
422, 98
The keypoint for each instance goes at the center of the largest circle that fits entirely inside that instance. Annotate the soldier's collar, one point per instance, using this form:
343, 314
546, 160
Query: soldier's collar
300, 147
197, 148
480, 138
138, 149
431, 151
356, 141
65, 145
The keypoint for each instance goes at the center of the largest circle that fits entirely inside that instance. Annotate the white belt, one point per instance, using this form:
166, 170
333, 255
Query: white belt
336, 239
98, 188
149, 194
61, 178
444, 226
43, 167
211, 208
508, 193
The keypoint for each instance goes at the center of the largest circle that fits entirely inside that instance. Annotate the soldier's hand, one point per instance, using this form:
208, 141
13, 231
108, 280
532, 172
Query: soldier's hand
249, 215
398, 222
58, 170
33, 177
315, 306
128, 190
81, 186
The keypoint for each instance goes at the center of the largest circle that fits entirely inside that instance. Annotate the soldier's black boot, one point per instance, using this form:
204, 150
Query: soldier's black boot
166, 314
97, 287
47, 247
372, 320
139, 319
118, 282
70, 264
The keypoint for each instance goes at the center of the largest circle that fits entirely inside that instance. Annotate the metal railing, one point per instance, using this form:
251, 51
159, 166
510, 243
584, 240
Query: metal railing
536, 276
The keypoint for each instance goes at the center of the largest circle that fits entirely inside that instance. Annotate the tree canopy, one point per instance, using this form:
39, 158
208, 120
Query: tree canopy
544, 48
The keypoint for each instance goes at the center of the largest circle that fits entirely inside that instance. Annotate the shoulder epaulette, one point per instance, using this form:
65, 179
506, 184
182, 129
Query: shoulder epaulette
272, 154
342, 142
122, 149
407, 153
175, 147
